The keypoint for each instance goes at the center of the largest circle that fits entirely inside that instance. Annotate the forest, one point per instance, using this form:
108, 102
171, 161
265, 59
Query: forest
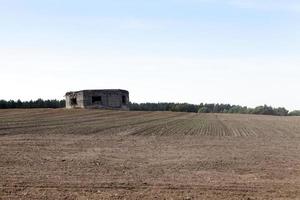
174, 107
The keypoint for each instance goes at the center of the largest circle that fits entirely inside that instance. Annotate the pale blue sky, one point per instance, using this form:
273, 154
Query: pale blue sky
216, 51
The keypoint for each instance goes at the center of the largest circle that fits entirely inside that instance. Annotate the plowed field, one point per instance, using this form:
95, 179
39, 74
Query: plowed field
98, 154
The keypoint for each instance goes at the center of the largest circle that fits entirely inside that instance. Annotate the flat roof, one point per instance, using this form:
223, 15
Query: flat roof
99, 90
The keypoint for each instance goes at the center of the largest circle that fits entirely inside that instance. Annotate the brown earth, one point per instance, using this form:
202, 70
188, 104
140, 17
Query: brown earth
94, 154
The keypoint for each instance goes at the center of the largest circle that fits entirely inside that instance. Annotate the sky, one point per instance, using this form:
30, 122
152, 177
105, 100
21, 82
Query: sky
242, 52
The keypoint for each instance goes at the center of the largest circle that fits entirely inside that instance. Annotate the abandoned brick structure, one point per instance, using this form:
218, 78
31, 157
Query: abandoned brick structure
106, 99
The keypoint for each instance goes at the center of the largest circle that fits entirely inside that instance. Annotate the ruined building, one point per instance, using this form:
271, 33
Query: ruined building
106, 99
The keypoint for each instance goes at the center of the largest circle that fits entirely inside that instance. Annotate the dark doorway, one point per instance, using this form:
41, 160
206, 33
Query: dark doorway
123, 100
73, 101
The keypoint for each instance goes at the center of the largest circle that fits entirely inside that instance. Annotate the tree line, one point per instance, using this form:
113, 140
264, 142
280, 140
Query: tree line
39, 103
212, 108
175, 107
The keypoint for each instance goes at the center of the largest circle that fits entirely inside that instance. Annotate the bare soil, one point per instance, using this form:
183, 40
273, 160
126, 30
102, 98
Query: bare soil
98, 154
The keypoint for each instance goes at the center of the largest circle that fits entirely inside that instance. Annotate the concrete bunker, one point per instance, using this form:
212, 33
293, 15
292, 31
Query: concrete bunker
105, 99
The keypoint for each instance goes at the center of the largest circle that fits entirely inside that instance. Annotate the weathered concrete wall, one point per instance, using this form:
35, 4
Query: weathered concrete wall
75, 95
113, 99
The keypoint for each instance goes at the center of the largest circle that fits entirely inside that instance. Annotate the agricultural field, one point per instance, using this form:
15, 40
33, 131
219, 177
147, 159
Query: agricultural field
101, 154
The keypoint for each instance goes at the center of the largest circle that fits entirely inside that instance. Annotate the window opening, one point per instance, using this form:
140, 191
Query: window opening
96, 99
